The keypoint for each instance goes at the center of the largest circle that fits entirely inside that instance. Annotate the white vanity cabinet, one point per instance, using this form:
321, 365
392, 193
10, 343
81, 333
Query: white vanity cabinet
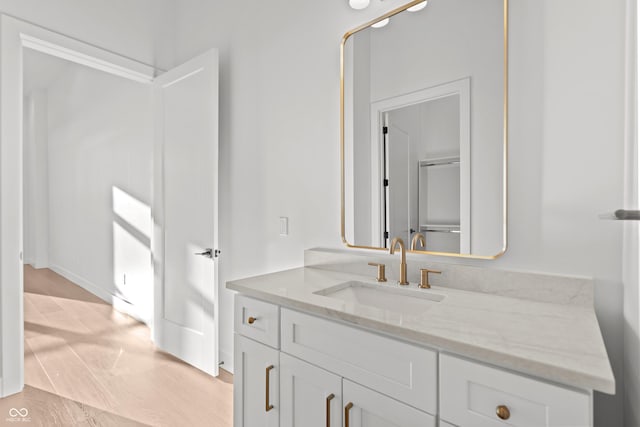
366, 408
313, 397
319, 372
309, 396
494, 398
402, 371
256, 389
326, 371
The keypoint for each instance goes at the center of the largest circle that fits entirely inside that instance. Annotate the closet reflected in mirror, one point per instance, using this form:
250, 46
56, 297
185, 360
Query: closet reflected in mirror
423, 135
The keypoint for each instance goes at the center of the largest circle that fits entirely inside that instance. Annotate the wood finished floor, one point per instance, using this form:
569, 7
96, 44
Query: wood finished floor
89, 365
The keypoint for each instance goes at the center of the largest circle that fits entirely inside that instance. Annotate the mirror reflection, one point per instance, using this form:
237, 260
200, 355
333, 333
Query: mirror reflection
424, 139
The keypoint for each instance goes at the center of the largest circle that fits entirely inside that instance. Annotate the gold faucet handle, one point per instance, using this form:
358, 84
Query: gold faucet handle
424, 277
381, 271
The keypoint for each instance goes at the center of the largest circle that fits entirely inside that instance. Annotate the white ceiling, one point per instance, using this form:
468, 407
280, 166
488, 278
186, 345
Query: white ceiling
42, 70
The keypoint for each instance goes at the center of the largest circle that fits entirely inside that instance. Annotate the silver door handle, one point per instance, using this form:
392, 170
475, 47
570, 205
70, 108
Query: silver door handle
208, 253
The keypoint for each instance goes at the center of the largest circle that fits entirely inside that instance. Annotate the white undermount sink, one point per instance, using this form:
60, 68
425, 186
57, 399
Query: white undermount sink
383, 296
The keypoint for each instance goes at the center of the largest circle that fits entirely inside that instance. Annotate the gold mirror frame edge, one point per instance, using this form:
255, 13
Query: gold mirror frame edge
505, 155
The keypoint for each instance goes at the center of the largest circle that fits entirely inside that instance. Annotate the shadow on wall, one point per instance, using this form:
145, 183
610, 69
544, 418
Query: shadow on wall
132, 261
132, 274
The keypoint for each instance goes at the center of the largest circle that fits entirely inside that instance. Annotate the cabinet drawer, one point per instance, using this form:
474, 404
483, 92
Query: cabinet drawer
257, 320
471, 393
405, 372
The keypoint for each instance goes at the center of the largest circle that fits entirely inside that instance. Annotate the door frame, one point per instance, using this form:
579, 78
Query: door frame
15, 36
461, 87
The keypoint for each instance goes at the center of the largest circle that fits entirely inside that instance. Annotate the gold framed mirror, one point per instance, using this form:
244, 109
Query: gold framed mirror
423, 129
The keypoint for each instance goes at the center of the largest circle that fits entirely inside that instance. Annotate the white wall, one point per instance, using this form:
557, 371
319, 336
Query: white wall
36, 178
279, 140
99, 159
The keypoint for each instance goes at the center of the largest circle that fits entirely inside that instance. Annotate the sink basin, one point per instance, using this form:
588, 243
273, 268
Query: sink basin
384, 297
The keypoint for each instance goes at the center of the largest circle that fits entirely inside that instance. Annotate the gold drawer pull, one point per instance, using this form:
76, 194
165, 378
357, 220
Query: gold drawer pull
251, 320
346, 413
503, 412
328, 416
267, 405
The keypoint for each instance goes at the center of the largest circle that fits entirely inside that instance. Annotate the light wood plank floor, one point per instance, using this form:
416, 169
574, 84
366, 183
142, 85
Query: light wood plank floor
89, 365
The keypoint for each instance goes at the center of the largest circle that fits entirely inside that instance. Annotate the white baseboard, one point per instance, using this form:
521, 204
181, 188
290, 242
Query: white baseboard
39, 266
112, 299
227, 358
32, 262
8, 388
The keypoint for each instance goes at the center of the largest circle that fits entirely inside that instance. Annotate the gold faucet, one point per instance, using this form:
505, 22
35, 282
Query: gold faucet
403, 262
418, 237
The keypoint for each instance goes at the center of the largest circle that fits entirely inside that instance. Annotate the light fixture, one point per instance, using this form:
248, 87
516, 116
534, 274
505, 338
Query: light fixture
358, 4
380, 24
417, 7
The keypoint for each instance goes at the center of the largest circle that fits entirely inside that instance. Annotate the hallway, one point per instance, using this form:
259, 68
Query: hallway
87, 364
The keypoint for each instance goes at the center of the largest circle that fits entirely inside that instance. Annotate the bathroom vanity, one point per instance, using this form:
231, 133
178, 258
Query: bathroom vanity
423, 144
315, 347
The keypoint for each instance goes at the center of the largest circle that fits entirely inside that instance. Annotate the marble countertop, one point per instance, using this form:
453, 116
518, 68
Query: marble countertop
561, 343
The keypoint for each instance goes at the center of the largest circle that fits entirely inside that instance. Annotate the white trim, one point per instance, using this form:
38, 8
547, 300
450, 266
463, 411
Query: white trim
631, 229
15, 36
112, 64
460, 87
227, 358
118, 303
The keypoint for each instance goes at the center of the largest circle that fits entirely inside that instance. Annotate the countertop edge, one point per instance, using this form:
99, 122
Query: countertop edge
536, 369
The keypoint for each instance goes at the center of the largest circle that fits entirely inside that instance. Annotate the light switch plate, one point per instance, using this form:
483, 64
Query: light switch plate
284, 226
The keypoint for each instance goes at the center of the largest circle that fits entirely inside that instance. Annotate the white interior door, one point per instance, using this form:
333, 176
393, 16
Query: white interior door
186, 212
397, 146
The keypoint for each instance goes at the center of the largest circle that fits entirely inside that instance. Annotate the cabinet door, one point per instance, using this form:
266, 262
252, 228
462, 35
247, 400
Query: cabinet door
255, 384
309, 396
366, 408
406, 372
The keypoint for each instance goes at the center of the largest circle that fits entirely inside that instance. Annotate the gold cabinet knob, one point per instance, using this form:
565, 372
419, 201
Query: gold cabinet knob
503, 412
251, 320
